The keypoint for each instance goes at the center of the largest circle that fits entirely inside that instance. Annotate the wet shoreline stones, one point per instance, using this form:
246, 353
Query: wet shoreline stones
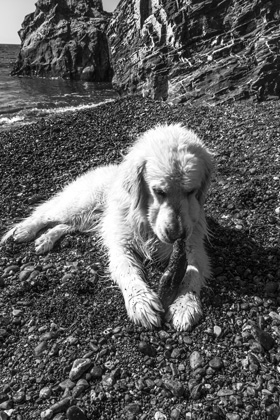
52, 315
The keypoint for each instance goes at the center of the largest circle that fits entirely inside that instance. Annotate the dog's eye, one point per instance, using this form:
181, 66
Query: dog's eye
159, 192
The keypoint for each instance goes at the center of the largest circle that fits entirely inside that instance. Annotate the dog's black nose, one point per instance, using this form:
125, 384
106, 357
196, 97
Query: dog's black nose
174, 232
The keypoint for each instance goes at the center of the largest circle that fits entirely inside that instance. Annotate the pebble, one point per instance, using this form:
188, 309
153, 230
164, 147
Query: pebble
3, 415
79, 367
196, 392
19, 397
75, 413
160, 416
45, 392
132, 410
175, 387
196, 360
263, 337
24, 275
67, 384
147, 349
40, 348
217, 331
61, 406
96, 372
216, 363
233, 416
224, 392
47, 414
80, 387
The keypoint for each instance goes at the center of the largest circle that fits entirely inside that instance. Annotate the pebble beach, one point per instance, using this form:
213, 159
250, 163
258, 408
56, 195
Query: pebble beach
67, 348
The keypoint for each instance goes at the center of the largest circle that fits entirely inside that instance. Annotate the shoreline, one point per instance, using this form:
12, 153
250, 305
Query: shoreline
61, 307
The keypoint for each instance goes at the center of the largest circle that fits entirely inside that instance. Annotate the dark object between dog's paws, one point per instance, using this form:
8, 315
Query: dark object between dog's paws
174, 274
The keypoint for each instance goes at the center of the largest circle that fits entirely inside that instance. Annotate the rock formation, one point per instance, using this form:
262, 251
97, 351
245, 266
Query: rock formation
65, 38
212, 50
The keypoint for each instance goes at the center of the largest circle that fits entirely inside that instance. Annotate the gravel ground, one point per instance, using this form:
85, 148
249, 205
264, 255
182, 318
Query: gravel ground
67, 349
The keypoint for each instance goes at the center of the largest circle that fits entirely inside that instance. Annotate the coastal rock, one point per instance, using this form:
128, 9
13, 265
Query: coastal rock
65, 38
212, 50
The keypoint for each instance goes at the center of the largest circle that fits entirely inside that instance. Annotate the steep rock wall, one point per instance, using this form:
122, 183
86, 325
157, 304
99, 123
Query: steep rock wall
212, 50
65, 38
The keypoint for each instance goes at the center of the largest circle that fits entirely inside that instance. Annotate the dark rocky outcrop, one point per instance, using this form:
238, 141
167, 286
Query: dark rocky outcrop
65, 38
211, 50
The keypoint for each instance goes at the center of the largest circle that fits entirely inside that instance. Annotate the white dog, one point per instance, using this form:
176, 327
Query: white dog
139, 209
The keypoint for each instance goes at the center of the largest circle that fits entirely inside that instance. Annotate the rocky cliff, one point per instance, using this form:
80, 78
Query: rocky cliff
65, 38
211, 50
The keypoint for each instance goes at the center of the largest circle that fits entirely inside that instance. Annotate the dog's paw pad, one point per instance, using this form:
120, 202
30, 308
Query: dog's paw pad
43, 244
145, 308
185, 312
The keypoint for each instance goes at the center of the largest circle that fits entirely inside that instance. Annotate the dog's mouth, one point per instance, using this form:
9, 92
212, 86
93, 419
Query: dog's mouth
172, 236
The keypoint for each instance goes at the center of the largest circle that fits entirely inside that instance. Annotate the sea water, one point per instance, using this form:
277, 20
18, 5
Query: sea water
25, 99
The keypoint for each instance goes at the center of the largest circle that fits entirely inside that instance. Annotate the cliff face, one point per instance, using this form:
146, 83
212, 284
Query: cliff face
65, 38
213, 50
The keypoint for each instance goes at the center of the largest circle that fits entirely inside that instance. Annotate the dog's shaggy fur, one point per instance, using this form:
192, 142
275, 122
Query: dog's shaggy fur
139, 208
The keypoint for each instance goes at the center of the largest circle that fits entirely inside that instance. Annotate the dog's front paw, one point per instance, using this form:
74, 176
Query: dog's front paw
23, 233
144, 307
43, 244
184, 312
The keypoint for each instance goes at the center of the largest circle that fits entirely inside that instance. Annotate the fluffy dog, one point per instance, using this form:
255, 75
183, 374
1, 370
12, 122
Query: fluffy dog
139, 208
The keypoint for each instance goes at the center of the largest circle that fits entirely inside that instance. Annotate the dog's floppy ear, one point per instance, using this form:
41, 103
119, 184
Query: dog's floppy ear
133, 179
208, 166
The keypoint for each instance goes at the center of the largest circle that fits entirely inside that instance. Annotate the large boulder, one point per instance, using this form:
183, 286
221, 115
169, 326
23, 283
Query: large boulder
212, 50
65, 38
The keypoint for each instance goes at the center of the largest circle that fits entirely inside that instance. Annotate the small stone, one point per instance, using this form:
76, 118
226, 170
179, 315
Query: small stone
80, 366
45, 393
75, 413
10, 270
61, 406
109, 379
176, 413
47, 414
175, 387
19, 397
40, 348
224, 392
233, 416
96, 372
263, 337
163, 335
3, 397
3, 415
216, 363
275, 316
196, 360
160, 416
82, 384
23, 275
131, 411
196, 392
67, 384
217, 331
147, 349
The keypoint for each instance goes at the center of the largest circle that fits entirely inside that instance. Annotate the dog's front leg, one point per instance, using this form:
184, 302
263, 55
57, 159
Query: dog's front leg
186, 309
142, 304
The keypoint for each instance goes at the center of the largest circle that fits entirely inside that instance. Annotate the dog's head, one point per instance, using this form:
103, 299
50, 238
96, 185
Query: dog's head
168, 172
